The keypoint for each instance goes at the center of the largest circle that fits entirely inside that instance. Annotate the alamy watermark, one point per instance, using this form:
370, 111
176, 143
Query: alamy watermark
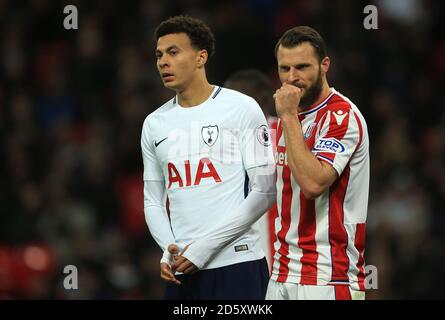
71, 21
71, 281
371, 277
371, 21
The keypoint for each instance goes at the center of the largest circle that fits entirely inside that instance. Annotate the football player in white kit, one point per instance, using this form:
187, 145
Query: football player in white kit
198, 148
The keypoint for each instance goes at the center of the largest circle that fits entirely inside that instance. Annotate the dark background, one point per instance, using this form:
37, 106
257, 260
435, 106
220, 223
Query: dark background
72, 103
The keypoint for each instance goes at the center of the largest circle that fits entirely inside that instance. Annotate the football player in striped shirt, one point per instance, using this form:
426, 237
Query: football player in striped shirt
322, 178
198, 149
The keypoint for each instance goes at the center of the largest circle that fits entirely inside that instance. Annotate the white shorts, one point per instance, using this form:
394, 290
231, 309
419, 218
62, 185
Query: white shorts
291, 291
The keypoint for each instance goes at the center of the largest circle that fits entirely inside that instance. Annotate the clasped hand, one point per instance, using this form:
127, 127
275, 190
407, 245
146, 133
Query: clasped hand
287, 98
178, 263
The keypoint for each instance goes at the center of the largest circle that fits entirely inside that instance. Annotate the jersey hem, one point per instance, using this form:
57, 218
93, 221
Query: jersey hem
320, 281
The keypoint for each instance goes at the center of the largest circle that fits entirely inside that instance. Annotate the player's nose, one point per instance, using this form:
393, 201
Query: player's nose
163, 62
292, 76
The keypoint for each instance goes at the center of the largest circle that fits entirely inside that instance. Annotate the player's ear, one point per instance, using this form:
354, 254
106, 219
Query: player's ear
324, 65
202, 58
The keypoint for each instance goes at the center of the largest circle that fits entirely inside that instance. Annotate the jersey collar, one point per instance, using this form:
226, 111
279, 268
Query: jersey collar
319, 106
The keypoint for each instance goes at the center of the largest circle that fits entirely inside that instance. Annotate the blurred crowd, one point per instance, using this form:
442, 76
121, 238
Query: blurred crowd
72, 104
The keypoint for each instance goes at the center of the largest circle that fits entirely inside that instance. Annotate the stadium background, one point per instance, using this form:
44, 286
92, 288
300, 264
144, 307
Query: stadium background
72, 103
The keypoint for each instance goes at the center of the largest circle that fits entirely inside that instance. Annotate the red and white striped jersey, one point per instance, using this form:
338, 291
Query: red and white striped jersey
322, 241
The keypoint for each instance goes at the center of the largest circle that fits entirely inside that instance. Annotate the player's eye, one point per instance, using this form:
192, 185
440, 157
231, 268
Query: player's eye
173, 52
284, 69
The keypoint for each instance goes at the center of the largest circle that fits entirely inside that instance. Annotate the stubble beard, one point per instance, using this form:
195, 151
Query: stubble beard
312, 93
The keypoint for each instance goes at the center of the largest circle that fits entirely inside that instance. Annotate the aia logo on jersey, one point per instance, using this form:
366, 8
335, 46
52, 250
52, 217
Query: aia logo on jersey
209, 134
205, 170
330, 145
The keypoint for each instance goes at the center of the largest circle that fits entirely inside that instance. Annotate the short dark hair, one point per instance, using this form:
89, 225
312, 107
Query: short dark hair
200, 35
298, 35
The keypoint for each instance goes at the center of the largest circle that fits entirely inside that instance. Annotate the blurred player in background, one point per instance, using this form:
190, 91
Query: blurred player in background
322, 178
196, 149
257, 85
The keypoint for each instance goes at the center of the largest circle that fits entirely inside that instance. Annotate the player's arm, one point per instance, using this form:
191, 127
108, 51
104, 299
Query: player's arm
312, 175
236, 223
159, 226
156, 214
154, 205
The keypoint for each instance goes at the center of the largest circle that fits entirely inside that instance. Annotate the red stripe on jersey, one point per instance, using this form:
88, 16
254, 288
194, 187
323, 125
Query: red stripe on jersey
337, 130
285, 225
306, 241
338, 237
342, 292
279, 132
307, 227
273, 126
360, 237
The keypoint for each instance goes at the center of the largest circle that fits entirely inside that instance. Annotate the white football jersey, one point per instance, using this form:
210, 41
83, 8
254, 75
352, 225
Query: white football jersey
202, 154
